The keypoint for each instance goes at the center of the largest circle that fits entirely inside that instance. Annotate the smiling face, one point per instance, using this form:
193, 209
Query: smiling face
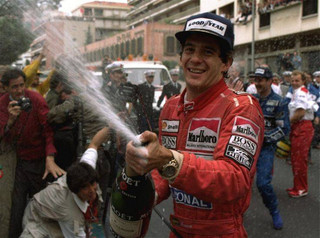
296, 81
201, 63
263, 86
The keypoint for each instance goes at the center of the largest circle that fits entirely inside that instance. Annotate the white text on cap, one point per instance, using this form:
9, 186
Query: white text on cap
206, 24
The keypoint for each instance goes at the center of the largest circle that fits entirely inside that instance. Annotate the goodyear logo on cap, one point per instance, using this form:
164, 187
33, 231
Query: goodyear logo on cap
260, 71
207, 24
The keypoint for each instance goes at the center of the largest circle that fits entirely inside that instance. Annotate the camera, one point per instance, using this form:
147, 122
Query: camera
24, 103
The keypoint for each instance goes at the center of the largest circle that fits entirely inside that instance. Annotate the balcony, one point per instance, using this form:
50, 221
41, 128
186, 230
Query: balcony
158, 10
181, 17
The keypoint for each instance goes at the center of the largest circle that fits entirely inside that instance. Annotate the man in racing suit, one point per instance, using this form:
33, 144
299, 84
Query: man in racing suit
211, 137
277, 125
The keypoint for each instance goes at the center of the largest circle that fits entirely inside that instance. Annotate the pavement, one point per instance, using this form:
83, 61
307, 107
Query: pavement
300, 215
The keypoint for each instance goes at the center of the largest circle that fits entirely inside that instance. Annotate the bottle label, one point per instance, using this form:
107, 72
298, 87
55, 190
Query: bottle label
130, 181
124, 227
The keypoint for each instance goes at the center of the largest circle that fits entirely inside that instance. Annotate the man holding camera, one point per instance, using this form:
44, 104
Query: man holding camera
23, 122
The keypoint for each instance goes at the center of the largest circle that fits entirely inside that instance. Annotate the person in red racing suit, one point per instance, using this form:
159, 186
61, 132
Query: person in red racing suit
211, 137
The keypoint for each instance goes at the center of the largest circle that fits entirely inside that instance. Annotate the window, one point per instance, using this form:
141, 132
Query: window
127, 47
140, 46
309, 7
170, 44
265, 19
88, 11
98, 12
133, 47
122, 53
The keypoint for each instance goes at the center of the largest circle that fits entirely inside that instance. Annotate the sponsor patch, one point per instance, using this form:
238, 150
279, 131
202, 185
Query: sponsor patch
246, 127
259, 71
270, 109
272, 103
244, 143
170, 126
170, 142
203, 134
189, 200
239, 155
207, 24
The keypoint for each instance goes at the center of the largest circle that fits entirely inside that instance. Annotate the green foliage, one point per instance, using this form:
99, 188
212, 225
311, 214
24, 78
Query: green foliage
170, 64
14, 38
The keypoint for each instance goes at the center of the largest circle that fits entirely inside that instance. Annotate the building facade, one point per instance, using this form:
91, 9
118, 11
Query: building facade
152, 41
151, 26
61, 34
165, 11
109, 17
277, 30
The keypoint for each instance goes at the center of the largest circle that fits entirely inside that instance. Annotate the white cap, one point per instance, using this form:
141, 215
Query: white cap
287, 73
149, 73
174, 71
116, 66
316, 74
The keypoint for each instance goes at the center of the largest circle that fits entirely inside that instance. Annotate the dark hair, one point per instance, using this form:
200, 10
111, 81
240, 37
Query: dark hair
80, 175
10, 74
56, 78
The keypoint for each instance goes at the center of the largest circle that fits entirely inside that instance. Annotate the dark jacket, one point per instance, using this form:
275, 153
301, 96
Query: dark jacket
169, 90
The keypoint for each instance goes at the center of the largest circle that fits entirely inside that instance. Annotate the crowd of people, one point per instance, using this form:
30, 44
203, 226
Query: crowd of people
213, 139
245, 12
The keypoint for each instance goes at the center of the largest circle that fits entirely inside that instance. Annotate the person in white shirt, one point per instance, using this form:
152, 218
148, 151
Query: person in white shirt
62, 208
301, 112
253, 90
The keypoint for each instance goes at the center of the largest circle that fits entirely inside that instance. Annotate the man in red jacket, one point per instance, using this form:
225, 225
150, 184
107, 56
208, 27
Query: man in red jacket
210, 138
23, 122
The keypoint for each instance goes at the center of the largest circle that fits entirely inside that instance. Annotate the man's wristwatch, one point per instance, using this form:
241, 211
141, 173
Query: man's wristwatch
170, 169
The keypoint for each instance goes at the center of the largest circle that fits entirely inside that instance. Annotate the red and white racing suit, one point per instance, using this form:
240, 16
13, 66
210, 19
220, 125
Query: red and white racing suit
301, 136
220, 134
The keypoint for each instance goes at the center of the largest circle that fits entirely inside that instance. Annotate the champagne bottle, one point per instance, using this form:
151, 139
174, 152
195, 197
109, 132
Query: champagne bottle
131, 205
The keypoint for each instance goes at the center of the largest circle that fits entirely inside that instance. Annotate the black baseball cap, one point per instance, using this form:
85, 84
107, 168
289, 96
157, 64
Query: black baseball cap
211, 24
263, 72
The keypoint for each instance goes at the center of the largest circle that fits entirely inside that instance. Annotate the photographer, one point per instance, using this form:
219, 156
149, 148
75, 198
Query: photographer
23, 122
64, 124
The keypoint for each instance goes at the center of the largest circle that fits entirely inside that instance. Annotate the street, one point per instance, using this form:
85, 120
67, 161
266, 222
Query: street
300, 215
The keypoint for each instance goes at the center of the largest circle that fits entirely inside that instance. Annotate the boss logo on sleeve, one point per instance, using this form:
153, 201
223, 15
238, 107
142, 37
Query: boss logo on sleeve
244, 143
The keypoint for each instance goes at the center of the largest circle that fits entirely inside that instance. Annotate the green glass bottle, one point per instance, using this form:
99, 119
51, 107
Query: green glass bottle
131, 205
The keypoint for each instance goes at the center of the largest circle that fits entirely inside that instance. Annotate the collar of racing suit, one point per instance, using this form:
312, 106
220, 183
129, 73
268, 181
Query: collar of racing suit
199, 102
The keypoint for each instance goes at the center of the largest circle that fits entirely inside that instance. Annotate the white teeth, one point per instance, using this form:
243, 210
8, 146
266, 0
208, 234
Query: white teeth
196, 71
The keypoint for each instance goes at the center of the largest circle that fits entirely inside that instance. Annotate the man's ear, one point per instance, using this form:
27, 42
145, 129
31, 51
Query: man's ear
228, 64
